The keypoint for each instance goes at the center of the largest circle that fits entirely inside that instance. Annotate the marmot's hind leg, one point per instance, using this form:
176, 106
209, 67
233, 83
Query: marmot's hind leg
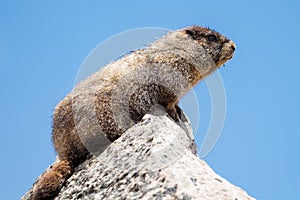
52, 180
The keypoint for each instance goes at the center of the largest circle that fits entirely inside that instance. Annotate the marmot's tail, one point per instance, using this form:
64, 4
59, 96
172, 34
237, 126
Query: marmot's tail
51, 181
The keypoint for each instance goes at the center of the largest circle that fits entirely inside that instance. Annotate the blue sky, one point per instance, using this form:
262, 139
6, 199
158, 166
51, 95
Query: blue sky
42, 45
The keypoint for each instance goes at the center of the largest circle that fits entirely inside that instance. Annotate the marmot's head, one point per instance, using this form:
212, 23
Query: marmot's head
218, 46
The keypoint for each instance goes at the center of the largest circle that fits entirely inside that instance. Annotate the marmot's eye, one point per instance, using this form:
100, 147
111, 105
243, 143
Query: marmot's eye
211, 38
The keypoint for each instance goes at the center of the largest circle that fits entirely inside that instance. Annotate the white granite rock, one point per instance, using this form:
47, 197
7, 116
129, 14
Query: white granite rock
155, 159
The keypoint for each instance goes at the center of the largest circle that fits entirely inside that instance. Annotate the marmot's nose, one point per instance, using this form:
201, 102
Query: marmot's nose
232, 45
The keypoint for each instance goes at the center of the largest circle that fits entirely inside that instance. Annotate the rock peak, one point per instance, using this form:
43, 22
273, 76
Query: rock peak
155, 159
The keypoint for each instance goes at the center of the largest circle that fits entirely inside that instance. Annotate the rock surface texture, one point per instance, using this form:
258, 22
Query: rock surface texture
155, 159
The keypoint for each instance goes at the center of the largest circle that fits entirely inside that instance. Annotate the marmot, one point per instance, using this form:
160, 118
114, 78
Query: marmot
110, 101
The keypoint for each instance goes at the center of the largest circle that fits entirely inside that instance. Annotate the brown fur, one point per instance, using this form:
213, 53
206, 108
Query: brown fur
120, 94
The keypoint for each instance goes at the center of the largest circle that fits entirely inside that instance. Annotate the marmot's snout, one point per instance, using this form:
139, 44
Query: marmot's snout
232, 45
229, 49
227, 52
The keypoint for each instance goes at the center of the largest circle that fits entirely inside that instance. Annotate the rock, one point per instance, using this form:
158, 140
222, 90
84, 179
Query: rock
155, 159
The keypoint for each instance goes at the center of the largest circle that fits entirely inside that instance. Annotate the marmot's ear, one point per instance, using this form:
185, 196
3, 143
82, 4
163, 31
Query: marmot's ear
192, 33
